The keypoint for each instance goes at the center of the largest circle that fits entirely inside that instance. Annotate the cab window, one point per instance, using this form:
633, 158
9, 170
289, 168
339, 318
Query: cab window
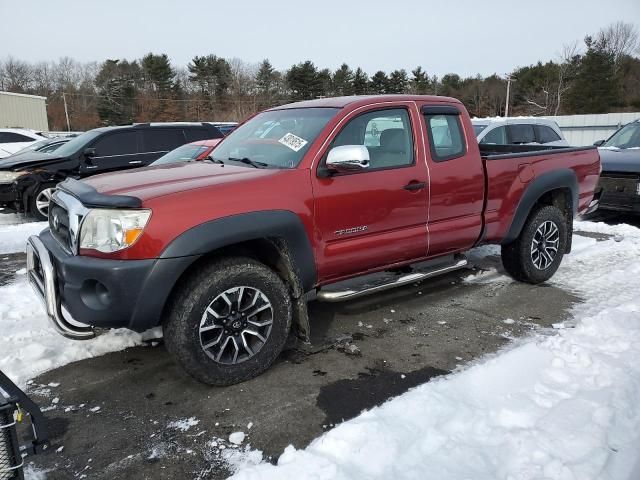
386, 134
446, 138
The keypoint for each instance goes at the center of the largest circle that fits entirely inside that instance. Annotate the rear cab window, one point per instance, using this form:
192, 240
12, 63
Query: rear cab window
521, 134
445, 133
546, 134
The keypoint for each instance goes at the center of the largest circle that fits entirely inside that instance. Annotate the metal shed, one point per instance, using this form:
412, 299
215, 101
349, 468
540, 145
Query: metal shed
23, 111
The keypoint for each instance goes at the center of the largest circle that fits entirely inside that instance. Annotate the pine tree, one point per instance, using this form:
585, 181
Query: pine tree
595, 88
398, 81
343, 79
303, 81
379, 83
360, 82
117, 83
420, 81
267, 80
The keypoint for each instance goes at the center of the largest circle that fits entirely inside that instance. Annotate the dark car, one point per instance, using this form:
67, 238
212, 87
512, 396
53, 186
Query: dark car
619, 185
28, 180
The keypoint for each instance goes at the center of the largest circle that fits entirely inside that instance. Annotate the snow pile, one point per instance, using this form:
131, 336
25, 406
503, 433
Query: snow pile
561, 407
29, 345
184, 424
13, 238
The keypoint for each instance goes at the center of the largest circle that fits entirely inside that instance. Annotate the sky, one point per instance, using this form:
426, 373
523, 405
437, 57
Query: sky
461, 36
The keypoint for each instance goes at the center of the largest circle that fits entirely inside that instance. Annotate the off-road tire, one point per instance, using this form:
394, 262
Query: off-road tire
517, 257
190, 300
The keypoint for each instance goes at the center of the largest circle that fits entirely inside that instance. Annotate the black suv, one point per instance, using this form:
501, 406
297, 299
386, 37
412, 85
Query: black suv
27, 181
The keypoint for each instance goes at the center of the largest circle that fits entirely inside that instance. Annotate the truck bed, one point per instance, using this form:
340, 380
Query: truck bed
510, 169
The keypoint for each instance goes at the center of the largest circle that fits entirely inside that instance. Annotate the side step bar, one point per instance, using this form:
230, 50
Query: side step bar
367, 289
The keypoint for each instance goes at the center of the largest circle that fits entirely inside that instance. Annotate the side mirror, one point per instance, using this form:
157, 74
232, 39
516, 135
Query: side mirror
89, 152
599, 143
348, 158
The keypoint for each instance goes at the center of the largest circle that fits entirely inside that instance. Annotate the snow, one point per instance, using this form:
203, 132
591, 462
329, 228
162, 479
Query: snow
184, 424
237, 438
564, 406
28, 344
13, 238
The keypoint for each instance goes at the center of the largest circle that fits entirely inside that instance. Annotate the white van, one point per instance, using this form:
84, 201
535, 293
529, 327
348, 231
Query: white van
518, 131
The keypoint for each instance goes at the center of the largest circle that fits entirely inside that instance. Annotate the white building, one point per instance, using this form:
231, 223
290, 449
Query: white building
586, 129
23, 111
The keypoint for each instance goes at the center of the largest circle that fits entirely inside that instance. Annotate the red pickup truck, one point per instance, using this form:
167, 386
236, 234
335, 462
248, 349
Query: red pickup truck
304, 200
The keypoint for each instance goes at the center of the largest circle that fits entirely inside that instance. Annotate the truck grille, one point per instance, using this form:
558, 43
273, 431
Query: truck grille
619, 189
59, 225
10, 458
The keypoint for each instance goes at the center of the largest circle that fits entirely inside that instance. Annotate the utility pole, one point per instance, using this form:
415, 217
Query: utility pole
66, 112
506, 105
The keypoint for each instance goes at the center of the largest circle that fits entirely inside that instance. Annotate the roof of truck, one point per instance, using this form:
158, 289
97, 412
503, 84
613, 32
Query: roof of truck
341, 102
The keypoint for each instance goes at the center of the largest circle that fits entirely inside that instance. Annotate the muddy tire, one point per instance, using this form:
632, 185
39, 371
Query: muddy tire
39, 202
536, 254
228, 321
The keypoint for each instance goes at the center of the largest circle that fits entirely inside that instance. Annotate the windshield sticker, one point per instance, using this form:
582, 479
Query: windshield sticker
292, 141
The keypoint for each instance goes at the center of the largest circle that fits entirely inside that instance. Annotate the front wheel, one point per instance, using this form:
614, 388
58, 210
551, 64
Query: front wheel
39, 202
228, 321
536, 254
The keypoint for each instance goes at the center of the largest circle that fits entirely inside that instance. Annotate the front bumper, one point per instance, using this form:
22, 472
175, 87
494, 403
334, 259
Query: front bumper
620, 192
9, 197
80, 292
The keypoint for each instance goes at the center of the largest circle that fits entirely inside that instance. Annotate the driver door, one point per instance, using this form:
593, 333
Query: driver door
378, 216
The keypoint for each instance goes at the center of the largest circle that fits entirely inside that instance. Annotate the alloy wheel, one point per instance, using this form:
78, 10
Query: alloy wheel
42, 201
544, 246
236, 325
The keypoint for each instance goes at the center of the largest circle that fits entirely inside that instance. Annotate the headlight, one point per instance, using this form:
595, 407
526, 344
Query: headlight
9, 177
108, 230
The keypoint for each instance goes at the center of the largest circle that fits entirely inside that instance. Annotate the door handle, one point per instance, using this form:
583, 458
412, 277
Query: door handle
135, 162
414, 186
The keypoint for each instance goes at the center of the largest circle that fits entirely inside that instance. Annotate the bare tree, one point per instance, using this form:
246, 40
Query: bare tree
619, 39
567, 68
17, 75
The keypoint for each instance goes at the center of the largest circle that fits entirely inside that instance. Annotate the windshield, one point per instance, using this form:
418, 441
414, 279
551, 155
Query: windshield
184, 153
276, 139
479, 128
75, 144
627, 137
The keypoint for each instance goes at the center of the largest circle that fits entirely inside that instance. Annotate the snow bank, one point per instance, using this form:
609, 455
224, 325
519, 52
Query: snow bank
563, 407
28, 343
13, 238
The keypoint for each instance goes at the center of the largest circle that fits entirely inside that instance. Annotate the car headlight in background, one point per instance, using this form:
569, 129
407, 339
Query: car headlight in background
110, 230
10, 177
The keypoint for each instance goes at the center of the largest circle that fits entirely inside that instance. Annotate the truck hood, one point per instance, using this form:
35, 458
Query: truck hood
27, 160
620, 160
151, 182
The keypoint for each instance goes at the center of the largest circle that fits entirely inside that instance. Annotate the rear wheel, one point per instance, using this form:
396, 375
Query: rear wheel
39, 202
228, 321
536, 254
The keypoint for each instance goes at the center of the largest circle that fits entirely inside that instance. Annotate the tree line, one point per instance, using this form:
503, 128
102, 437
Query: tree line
601, 76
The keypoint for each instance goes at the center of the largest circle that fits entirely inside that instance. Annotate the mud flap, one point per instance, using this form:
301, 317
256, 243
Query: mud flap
301, 326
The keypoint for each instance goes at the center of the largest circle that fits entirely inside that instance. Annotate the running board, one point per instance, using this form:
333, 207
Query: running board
337, 295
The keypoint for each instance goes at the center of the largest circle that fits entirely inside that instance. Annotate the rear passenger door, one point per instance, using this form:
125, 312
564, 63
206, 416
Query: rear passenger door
113, 151
456, 179
158, 141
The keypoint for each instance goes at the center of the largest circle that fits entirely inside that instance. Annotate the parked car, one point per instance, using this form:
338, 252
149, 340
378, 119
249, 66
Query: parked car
46, 145
518, 131
224, 254
225, 127
14, 139
619, 185
27, 181
191, 151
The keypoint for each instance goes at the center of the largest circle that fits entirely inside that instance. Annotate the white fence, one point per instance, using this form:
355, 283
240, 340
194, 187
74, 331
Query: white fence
586, 129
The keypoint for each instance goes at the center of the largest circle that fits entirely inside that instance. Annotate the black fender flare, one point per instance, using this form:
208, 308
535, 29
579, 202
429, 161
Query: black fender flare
563, 178
227, 231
